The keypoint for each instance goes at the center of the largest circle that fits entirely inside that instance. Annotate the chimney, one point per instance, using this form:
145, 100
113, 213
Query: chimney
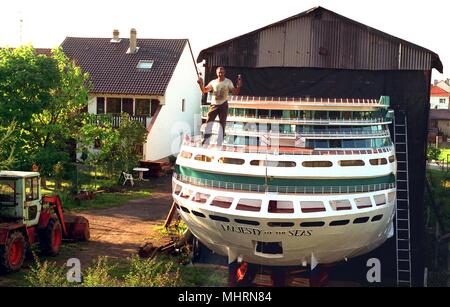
115, 38
133, 47
435, 82
447, 81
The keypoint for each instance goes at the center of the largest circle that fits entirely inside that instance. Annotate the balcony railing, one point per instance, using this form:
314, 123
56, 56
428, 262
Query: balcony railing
283, 189
282, 150
303, 120
311, 101
295, 135
114, 120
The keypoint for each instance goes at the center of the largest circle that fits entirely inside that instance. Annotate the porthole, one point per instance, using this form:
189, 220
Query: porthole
219, 218
317, 164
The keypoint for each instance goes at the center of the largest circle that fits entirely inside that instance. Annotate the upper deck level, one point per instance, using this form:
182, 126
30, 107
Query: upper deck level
307, 103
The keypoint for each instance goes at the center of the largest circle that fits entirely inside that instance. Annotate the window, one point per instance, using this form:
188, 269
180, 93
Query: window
338, 205
7, 190
363, 202
351, 163
442, 100
312, 206
222, 202
381, 161
186, 154
100, 105
380, 199
114, 105
317, 164
201, 198
236, 161
273, 163
127, 105
32, 188
203, 158
143, 107
249, 205
281, 206
145, 64
186, 193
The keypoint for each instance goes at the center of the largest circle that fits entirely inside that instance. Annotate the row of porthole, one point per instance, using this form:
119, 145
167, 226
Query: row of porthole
268, 163
359, 220
284, 206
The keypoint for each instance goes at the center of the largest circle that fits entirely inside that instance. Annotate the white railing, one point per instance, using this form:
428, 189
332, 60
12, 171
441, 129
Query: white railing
306, 101
283, 189
378, 120
339, 134
196, 143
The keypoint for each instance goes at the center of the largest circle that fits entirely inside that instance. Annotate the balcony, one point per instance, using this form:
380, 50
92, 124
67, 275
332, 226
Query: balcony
255, 117
114, 119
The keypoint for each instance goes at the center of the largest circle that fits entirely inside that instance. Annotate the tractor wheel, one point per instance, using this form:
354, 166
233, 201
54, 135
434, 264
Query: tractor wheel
12, 254
50, 238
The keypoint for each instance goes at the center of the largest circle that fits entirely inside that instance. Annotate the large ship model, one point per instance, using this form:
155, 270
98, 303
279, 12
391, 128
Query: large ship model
297, 181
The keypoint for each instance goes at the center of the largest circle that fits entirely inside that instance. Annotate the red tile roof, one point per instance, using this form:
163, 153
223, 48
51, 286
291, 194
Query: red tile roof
43, 51
113, 71
437, 91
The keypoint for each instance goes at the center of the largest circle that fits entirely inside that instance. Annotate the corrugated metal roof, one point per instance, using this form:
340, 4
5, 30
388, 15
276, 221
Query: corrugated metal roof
320, 38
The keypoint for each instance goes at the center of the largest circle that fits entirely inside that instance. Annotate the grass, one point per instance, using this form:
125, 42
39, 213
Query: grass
131, 272
101, 200
444, 153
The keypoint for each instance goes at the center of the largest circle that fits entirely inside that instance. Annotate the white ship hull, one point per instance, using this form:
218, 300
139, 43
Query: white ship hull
300, 245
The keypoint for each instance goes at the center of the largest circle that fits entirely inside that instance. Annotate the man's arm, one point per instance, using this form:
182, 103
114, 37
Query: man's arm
202, 87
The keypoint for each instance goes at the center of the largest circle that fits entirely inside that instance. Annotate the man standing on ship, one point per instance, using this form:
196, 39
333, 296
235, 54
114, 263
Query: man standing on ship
220, 88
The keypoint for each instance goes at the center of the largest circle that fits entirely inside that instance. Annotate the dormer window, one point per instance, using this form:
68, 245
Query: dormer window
145, 64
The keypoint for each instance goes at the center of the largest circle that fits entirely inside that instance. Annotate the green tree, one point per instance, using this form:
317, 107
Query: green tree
7, 151
117, 151
433, 153
45, 96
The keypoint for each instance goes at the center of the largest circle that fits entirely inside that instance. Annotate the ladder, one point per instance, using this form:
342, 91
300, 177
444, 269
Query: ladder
402, 221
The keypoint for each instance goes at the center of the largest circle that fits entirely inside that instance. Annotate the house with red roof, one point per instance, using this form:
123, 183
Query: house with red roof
439, 98
153, 80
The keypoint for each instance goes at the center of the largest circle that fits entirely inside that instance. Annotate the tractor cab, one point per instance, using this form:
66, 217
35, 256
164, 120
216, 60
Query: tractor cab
20, 197
27, 218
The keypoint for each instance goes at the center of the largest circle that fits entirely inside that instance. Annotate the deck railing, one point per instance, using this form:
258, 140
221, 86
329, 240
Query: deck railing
283, 189
281, 150
382, 102
339, 134
115, 119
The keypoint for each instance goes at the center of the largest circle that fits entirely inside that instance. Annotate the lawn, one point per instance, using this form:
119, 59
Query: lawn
444, 153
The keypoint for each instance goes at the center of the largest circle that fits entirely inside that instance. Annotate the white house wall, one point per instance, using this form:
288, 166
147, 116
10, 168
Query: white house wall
164, 137
435, 104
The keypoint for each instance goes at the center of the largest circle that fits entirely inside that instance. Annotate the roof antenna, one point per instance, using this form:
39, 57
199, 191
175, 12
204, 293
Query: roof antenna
20, 28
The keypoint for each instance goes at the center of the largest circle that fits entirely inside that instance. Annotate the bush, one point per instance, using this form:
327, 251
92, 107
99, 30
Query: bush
99, 275
46, 274
149, 273
433, 153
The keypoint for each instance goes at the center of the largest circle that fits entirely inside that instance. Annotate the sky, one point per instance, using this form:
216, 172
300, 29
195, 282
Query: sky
45, 23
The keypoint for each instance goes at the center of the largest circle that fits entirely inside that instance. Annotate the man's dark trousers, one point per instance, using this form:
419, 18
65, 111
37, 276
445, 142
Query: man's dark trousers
214, 110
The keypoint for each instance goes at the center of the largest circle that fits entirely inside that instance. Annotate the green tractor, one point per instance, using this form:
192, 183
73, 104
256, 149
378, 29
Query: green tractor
27, 218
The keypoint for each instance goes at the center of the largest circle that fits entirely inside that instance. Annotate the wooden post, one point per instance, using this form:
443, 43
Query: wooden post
169, 218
